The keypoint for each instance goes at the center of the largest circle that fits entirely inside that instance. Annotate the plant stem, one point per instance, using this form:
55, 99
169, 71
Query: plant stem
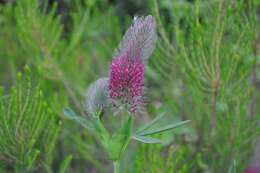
254, 77
116, 166
214, 110
215, 86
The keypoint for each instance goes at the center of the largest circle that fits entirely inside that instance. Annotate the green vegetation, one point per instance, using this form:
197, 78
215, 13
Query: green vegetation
204, 69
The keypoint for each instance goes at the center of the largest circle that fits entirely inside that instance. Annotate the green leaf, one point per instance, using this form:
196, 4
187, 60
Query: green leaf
69, 113
78, 31
151, 123
146, 139
119, 140
163, 129
101, 132
232, 168
35, 154
65, 164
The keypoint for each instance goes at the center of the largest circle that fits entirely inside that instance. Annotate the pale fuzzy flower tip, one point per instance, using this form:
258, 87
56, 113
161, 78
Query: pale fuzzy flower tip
97, 96
140, 39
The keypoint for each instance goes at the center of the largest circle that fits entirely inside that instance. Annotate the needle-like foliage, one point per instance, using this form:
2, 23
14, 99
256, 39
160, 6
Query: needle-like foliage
28, 128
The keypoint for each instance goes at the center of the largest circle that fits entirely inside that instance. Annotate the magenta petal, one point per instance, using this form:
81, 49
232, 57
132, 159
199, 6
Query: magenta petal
253, 169
126, 82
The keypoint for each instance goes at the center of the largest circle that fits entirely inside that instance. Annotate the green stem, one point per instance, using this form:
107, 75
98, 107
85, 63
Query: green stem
116, 166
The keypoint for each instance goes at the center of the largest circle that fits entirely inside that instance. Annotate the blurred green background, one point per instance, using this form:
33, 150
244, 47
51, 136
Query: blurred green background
205, 68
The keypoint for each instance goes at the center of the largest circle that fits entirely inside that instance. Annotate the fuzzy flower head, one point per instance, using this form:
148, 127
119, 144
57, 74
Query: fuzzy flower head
124, 87
126, 78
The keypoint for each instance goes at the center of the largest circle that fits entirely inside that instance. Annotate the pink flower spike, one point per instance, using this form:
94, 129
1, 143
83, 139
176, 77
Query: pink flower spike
126, 83
126, 78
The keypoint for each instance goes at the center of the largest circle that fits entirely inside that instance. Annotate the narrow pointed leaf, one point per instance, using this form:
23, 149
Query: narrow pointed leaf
120, 139
232, 168
65, 164
101, 132
146, 139
69, 113
151, 123
163, 129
